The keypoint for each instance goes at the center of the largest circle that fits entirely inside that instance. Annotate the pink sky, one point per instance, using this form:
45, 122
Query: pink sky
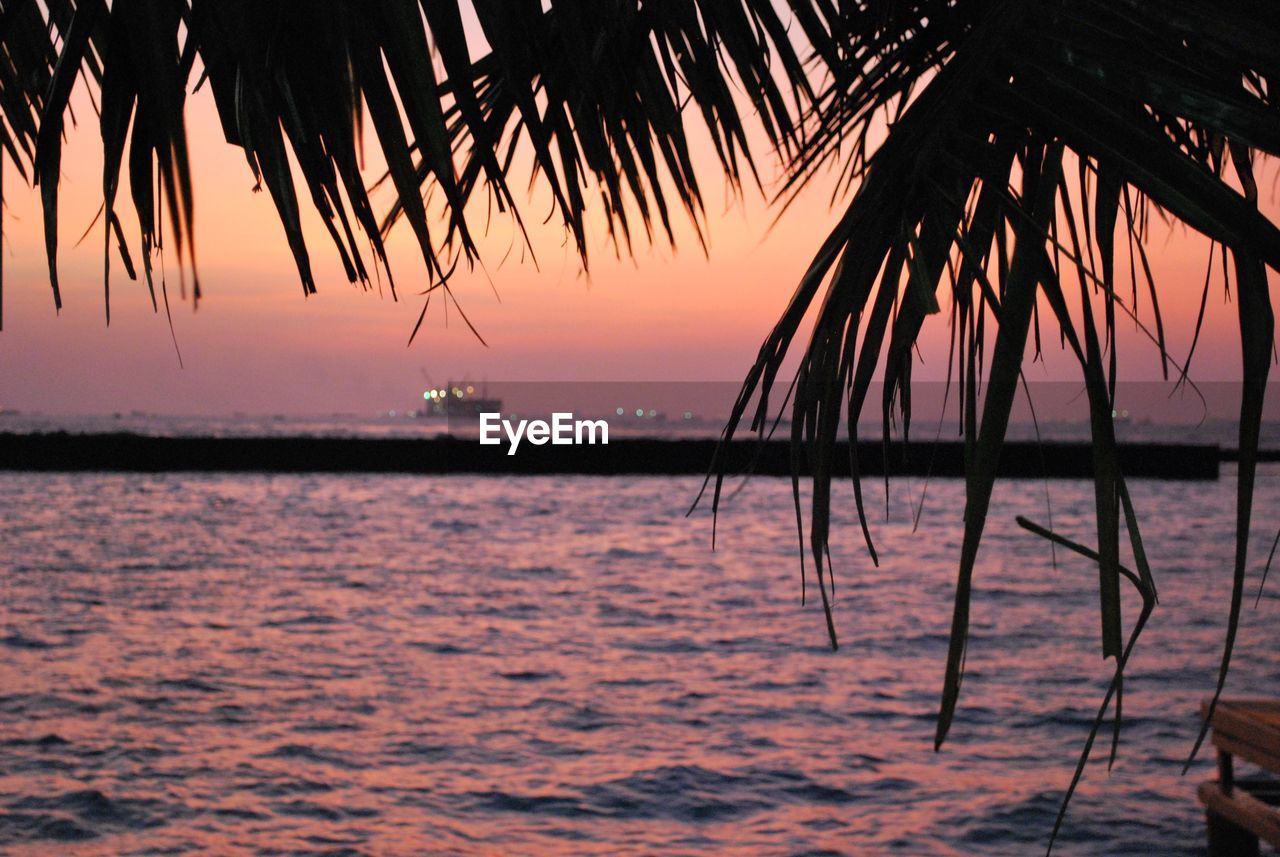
257, 345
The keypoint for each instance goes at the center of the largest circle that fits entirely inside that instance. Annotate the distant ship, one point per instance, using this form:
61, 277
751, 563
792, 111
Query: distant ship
459, 399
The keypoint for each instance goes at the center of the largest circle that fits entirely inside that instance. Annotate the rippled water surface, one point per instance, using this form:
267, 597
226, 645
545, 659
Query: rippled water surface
400, 665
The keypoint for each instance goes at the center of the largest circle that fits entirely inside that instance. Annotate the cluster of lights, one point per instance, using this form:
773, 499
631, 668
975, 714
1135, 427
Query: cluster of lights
443, 393
640, 412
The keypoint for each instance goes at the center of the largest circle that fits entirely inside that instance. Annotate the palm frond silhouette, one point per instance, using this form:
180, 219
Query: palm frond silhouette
1022, 142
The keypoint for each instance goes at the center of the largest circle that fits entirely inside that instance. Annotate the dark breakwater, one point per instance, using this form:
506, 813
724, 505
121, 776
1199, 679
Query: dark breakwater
448, 454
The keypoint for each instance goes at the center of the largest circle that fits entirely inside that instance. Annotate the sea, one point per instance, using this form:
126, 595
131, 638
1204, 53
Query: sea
387, 665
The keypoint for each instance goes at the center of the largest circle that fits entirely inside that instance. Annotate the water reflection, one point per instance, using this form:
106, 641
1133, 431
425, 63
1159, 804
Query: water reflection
387, 665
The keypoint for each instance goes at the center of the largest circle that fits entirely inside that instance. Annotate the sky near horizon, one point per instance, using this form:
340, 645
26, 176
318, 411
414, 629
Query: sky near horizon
256, 345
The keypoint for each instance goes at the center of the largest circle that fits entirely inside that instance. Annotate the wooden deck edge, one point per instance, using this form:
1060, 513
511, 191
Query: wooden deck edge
1255, 721
1264, 757
1242, 809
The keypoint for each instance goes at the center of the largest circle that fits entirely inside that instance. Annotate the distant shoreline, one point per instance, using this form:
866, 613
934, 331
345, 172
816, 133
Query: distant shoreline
446, 454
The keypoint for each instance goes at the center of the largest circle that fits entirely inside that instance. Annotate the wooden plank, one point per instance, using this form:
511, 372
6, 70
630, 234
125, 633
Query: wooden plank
1257, 721
1248, 728
1242, 809
1266, 758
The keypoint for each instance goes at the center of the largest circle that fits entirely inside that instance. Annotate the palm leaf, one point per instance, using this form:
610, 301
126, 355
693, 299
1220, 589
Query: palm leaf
988, 107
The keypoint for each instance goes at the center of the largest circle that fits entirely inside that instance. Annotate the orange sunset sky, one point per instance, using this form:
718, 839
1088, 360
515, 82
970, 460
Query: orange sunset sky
257, 345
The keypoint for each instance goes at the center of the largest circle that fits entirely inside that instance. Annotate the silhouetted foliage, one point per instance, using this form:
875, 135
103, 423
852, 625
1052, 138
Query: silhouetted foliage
1024, 141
